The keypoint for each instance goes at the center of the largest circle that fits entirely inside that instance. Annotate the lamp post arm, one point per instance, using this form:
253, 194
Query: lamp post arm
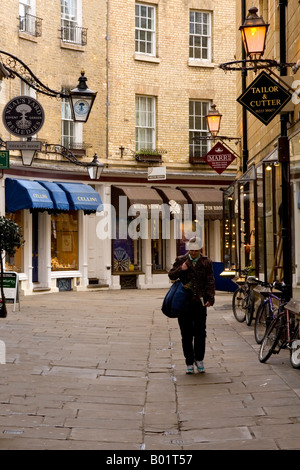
16, 67
64, 152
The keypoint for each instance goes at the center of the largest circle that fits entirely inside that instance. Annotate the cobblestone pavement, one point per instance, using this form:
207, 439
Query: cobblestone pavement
104, 370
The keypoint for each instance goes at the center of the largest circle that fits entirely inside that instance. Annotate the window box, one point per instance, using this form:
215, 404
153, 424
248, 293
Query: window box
148, 156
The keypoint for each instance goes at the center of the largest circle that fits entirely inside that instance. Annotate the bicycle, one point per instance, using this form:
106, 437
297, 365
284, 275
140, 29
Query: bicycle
243, 298
283, 332
267, 310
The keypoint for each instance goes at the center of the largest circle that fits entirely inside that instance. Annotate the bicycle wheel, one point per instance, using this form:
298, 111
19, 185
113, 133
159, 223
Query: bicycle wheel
271, 339
238, 305
295, 348
261, 323
250, 307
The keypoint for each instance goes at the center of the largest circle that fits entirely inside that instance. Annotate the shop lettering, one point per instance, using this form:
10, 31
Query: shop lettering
265, 89
86, 199
219, 158
265, 102
40, 196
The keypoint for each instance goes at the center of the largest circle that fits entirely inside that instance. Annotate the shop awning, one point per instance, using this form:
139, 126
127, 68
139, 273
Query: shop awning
136, 196
57, 194
82, 197
173, 197
25, 194
211, 198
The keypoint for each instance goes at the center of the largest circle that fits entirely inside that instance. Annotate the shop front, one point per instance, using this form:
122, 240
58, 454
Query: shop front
152, 227
253, 219
54, 217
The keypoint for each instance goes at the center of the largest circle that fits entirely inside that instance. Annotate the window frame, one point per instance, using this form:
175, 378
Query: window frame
151, 31
73, 137
150, 123
193, 37
202, 146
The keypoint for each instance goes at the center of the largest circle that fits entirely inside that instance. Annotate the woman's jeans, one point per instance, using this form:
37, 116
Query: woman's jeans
192, 325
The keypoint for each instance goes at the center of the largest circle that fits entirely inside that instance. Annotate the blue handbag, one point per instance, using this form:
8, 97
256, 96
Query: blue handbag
176, 300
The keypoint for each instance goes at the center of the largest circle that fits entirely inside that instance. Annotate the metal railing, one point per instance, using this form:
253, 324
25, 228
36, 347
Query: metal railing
73, 34
31, 25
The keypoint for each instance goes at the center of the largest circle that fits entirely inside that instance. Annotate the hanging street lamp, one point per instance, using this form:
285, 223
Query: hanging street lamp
95, 168
254, 33
213, 119
81, 100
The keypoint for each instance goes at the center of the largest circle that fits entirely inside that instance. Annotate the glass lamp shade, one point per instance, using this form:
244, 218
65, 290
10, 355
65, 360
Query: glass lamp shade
213, 119
95, 168
81, 100
254, 33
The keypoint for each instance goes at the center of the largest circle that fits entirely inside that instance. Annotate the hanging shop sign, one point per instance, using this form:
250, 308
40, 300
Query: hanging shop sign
219, 157
156, 173
264, 98
4, 159
23, 116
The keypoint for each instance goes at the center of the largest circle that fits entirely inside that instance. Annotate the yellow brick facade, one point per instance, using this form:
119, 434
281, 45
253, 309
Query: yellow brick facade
118, 74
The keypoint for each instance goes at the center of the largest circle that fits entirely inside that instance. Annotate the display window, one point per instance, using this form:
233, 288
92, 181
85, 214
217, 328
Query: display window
127, 254
16, 262
64, 241
158, 247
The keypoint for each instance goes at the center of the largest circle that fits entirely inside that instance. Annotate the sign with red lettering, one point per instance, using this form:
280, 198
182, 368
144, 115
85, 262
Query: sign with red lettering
219, 157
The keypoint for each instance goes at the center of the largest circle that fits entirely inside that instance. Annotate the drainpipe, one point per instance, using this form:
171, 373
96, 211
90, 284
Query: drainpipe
284, 158
107, 75
244, 110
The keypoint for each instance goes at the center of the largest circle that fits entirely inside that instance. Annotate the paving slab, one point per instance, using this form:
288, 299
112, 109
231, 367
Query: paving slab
105, 371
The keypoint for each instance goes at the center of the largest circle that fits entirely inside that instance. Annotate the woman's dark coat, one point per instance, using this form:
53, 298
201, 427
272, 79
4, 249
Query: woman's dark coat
199, 277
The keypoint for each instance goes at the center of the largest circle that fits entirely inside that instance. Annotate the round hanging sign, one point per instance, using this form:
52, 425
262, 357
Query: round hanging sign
23, 116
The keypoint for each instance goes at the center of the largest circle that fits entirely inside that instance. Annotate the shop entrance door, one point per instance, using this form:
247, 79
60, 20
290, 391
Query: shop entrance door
35, 247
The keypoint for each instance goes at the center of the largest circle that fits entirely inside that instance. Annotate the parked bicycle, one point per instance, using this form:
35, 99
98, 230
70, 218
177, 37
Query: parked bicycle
283, 332
269, 308
243, 298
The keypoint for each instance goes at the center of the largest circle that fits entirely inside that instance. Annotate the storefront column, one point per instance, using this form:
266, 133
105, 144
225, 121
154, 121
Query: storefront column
145, 280
296, 187
28, 251
83, 251
214, 240
2, 197
44, 250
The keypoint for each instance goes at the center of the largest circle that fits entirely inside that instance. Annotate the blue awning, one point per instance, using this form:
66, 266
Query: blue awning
82, 197
299, 200
57, 195
25, 194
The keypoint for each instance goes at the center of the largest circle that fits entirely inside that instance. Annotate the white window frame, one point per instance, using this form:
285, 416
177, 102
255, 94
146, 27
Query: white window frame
27, 7
73, 137
145, 29
145, 122
198, 128
200, 32
71, 17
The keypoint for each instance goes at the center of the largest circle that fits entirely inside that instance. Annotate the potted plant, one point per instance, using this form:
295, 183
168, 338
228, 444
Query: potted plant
148, 155
10, 239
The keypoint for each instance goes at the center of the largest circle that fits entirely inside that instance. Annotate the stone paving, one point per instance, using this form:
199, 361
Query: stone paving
104, 370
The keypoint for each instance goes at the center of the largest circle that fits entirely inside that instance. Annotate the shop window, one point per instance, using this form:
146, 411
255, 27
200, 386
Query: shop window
127, 254
158, 247
229, 227
64, 241
16, 262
